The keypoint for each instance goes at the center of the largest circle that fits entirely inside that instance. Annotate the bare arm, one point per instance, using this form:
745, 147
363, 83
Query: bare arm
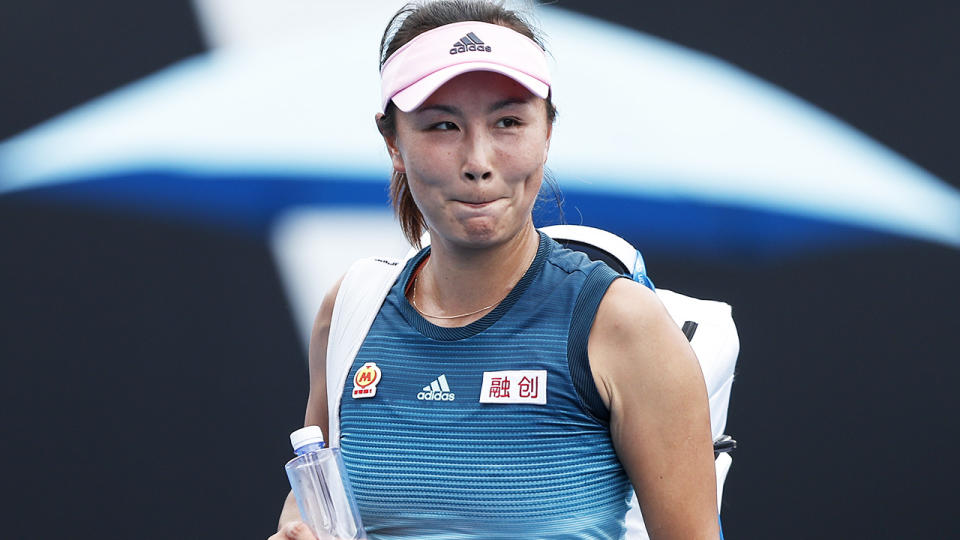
649, 378
289, 526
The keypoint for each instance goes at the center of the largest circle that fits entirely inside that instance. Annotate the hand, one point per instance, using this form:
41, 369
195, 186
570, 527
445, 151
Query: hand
295, 530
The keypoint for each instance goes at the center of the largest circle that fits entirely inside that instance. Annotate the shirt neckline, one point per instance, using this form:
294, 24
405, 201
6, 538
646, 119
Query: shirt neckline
443, 333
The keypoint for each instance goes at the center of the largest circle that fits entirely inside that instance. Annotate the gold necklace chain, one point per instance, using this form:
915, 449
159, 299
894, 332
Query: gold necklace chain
413, 300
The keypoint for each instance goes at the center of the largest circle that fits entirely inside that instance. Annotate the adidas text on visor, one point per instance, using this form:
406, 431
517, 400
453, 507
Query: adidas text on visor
426, 62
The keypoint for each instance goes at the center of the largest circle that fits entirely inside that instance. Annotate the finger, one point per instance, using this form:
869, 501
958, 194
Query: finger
297, 530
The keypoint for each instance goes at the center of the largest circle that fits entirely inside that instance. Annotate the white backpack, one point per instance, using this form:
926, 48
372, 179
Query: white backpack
707, 324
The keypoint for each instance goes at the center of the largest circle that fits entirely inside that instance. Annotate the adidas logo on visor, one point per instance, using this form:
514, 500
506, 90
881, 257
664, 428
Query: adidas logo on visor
470, 42
438, 390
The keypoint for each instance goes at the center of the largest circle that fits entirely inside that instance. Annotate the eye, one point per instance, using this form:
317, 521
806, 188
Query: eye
509, 122
443, 126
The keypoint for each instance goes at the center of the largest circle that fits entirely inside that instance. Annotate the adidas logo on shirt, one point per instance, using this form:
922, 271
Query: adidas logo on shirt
438, 390
469, 42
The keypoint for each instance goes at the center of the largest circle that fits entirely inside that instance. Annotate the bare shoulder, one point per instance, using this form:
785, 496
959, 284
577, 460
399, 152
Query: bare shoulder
633, 338
629, 307
316, 413
321, 323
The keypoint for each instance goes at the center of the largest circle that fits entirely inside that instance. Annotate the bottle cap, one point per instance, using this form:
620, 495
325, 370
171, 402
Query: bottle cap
306, 435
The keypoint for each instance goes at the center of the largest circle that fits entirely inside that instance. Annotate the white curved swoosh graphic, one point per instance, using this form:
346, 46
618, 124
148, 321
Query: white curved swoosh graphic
640, 117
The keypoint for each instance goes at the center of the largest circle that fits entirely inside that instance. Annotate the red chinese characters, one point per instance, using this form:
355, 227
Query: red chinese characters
529, 387
499, 387
517, 386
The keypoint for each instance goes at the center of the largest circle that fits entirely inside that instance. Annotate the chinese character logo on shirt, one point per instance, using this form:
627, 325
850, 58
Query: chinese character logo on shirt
500, 387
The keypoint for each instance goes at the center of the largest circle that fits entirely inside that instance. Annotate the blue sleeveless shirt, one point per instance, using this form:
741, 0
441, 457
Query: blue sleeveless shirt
427, 459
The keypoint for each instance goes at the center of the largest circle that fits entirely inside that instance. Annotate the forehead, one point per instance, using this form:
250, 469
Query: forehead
480, 88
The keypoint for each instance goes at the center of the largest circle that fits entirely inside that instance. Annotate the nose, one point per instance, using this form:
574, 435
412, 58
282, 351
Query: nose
477, 159
473, 176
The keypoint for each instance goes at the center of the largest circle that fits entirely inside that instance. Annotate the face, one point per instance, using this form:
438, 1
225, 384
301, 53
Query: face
474, 154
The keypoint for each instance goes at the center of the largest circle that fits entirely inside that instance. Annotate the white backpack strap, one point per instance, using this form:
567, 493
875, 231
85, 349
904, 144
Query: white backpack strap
362, 291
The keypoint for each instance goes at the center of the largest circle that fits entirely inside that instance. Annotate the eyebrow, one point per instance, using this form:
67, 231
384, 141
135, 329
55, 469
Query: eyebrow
441, 108
503, 103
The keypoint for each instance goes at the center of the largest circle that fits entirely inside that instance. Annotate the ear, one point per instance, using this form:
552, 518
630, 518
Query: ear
390, 140
546, 147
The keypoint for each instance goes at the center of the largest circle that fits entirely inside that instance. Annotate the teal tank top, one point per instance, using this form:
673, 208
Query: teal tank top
490, 430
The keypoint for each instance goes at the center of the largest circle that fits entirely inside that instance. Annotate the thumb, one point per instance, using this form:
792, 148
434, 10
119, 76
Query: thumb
297, 530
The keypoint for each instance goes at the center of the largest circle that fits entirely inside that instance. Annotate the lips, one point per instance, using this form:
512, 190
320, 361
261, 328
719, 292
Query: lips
474, 208
477, 202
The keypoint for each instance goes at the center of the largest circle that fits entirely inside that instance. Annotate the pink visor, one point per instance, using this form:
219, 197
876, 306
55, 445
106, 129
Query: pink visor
417, 69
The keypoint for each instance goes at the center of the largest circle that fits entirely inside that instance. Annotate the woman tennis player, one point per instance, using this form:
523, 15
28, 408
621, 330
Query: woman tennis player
524, 390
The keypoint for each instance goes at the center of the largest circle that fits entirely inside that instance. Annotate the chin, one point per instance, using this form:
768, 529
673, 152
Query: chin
474, 236
483, 236
478, 232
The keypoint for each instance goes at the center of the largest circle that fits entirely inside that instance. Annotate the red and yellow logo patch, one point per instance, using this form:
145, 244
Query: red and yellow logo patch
365, 381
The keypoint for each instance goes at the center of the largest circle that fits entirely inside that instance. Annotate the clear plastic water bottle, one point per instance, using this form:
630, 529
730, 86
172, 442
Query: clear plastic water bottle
320, 484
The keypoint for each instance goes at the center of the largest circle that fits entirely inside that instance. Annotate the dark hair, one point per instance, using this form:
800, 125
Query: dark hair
408, 23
